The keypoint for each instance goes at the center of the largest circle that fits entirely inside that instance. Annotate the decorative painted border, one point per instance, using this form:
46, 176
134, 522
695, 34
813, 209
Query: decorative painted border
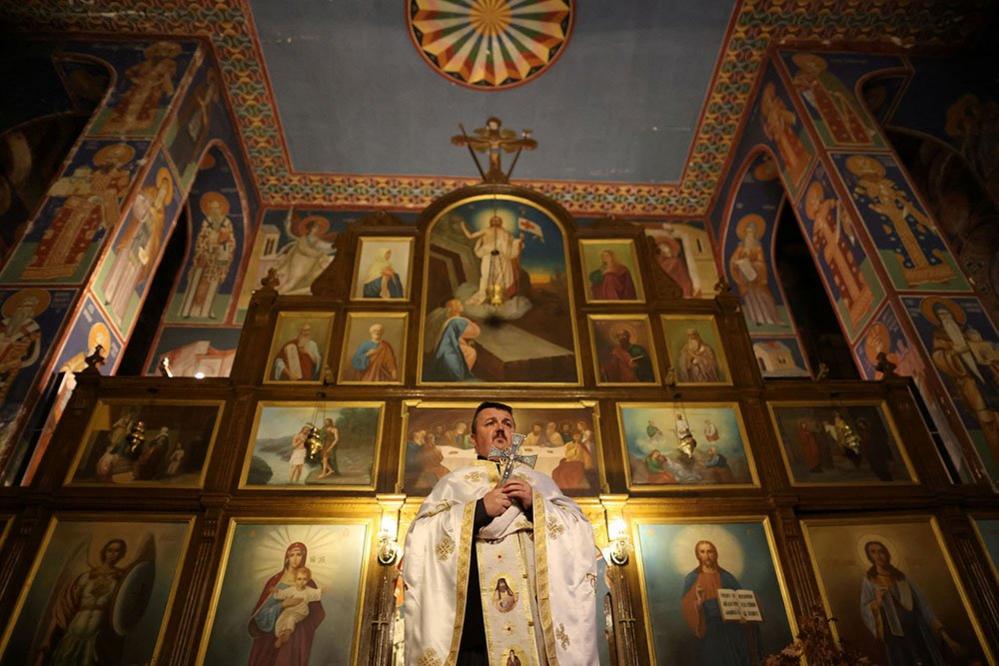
755, 25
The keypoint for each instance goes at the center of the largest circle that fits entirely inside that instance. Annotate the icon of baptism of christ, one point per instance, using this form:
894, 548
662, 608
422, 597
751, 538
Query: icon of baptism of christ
509, 319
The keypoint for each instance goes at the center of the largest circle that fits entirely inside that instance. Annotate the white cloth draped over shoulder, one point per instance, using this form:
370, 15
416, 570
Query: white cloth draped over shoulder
560, 557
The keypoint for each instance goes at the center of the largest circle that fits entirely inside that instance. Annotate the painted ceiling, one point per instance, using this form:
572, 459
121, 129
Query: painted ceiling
335, 105
620, 104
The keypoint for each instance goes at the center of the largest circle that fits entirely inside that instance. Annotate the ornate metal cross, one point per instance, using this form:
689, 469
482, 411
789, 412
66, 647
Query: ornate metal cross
507, 457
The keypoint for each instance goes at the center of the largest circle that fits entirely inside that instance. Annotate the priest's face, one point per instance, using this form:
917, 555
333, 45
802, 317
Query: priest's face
493, 428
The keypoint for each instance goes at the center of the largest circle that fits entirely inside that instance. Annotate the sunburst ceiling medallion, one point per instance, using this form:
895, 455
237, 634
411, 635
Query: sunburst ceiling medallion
490, 44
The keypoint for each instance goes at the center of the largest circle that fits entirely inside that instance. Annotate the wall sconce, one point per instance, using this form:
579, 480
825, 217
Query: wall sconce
389, 551
617, 551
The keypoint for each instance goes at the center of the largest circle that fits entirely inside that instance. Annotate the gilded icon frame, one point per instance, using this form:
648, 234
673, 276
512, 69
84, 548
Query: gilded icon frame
102, 518
355, 283
719, 347
324, 404
761, 519
890, 426
611, 244
650, 347
325, 344
592, 405
84, 444
892, 519
368, 519
400, 351
676, 406
566, 240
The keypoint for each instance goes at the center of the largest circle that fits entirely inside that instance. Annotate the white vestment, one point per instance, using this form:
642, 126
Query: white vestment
549, 565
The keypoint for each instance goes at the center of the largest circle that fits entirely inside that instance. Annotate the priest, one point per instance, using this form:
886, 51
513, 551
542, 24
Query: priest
499, 572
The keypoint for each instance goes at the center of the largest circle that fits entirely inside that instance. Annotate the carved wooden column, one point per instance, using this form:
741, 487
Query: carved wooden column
203, 557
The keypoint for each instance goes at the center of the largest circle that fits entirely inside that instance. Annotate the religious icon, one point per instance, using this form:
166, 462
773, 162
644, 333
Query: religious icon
316, 445
214, 252
780, 126
910, 608
839, 116
303, 258
177, 442
660, 443
780, 357
374, 348
503, 598
290, 593
843, 443
21, 339
383, 269
92, 196
748, 267
191, 350
836, 244
913, 251
964, 347
611, 270
718, 591
563, 436
138, 106
299, 347
695, 349
136, 250
683, 253
101, 587
624, 352
500, 279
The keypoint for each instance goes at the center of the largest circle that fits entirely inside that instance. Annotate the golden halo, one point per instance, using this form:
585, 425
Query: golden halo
897, 558
765, 170
40, 297
965, 105
209, 197
164, 182
300, 227
814, 196
880, 333
864, 166
163, 50
746, 220
809, 62
624, 326
930, 305
114, 154
98, 335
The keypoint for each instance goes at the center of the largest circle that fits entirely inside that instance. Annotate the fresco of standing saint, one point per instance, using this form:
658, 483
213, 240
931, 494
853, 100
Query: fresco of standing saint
504, 283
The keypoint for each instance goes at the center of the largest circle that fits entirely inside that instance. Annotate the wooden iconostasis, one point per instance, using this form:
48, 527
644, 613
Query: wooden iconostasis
169, 508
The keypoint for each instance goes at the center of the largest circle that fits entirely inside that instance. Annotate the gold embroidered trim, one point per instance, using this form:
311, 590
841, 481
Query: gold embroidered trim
444, 548
461, 593
474, 476
429, 658
541, 571
440, 507
555, 528
562, 637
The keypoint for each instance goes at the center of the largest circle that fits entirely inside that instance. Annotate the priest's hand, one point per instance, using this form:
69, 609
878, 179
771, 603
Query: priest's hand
520, 491
496, 502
